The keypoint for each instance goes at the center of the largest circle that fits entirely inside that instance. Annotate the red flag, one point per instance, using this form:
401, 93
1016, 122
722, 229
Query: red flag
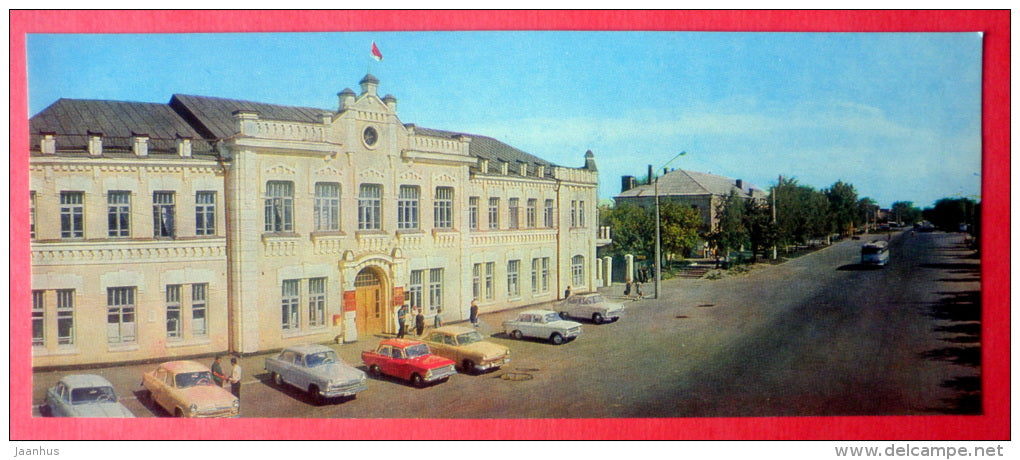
375, 52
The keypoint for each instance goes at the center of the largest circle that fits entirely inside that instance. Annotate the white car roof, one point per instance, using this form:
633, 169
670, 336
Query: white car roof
85, 381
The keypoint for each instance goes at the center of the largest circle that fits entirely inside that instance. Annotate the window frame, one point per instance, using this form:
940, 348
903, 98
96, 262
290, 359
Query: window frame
279, 206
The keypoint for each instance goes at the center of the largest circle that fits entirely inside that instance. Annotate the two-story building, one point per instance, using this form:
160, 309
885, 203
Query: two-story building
274, 225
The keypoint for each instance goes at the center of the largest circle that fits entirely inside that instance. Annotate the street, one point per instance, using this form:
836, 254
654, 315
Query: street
817, 335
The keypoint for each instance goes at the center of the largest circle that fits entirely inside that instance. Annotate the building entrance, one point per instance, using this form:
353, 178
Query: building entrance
371, 306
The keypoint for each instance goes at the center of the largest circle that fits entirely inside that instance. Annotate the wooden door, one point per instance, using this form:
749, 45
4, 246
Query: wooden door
371, 305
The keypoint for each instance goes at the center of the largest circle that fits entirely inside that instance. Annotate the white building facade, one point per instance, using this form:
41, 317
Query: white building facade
274, 225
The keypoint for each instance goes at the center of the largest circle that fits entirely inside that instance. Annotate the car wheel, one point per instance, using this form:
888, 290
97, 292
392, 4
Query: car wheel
417, 381
564, 315
517, 335
45, 411
178, 412
277, 379
597, 318
469, 367
375, 370
145, 397
317, 397
556, 338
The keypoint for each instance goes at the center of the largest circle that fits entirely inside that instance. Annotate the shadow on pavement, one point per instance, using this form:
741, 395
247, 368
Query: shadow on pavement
859, 267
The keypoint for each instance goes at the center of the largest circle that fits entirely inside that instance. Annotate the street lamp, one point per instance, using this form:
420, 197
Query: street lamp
658, 237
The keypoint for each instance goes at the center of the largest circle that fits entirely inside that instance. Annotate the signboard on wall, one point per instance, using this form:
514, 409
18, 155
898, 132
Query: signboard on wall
398, 295
350, 304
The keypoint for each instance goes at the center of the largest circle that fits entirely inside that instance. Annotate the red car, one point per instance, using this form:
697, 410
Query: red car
408, 360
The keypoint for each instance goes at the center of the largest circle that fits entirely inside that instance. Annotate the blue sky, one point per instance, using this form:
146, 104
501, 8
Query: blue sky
896, 114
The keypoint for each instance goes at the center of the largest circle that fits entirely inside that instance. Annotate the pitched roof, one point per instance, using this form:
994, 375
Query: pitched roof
681, 182
213, 115
495, 151
111, 118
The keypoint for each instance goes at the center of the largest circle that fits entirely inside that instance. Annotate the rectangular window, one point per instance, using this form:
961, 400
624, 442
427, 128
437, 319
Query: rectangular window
435, 289
415, 287
577, 270
514, 212
494, 213
72, 214
513, 286
532, 219
205, 213
407, 208
38, 318
279, 206
370, 207
545, 274
444, 207
327, 207
476, 281
573, 214
199, 326
317, 302
118, 214
65, 317
120, 315
31, 215
549, 214
473, 212
536, 267
173, 311
490, 268
164, 214
580, 213
291, 304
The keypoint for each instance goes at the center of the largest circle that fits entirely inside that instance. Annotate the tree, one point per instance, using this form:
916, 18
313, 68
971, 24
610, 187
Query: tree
729, 232
949, 213
867, 210
801, 212
842, 207
678, 228
905, 212
761, 231
633, 229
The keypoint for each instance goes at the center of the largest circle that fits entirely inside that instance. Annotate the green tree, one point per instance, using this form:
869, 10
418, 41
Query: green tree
633, 229
867, 211
949, 213
729, 232
761, 231
801, 212
678, 228
906, 212
842, 207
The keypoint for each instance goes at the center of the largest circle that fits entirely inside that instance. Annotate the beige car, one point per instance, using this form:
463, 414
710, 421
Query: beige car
466, 347
186, 389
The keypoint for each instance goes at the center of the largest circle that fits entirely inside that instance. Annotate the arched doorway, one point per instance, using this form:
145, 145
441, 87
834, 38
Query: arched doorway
371, 302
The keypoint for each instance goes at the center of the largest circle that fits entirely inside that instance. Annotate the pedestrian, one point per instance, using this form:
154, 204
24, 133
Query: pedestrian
217, 372
401, 321
419, 322
566, 293
235, 378
438, 320
474, 312
640, 292
626, 289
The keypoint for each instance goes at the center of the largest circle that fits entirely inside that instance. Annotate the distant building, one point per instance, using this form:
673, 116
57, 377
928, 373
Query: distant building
207, 224
702, 191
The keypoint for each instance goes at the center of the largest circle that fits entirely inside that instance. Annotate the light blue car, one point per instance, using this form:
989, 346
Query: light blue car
317, 370
83, 395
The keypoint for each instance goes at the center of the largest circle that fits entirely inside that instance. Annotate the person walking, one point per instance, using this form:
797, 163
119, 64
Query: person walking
419, 322
474, 312
438, 320
217, 372
640, 292
626, 289
401, 321
235, 378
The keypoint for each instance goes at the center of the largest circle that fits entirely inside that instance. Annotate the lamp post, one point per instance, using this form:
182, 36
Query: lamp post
658, 237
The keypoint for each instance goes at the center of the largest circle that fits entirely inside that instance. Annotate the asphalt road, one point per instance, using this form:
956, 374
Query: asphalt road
817, 335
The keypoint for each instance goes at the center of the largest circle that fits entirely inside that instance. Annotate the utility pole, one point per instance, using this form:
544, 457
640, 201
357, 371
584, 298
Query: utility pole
774, 190
658, 238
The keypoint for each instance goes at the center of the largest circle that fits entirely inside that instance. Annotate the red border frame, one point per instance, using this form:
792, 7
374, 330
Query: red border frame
994, 425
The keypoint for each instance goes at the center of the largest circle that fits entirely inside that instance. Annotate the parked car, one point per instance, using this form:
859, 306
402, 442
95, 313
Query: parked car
317, 370
409, 360
186, 389
466, 347
591, 306
542, 324
83, 395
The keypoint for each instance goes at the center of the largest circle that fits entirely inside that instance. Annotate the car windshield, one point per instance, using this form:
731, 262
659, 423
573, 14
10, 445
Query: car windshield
595, 299
190, 379
415, 351
92, 394
468, 338
318, 359
550, 317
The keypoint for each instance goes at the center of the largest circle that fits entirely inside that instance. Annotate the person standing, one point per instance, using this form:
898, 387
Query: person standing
626, 289
566, 294
235, 378
438, 320
401, 321
419, 322
217, 372
474, 312
640, 292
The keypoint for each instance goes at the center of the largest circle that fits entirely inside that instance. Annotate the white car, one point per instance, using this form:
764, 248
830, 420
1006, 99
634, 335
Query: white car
591, 306
542, 324
83, 395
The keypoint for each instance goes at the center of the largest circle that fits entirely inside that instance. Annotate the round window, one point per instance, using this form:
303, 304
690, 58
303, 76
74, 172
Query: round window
371, 136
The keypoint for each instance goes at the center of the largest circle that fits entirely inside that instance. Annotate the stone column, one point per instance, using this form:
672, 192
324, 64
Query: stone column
630, 267
607, 271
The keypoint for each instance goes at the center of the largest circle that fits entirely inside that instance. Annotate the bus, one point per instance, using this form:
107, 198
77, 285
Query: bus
875, 253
